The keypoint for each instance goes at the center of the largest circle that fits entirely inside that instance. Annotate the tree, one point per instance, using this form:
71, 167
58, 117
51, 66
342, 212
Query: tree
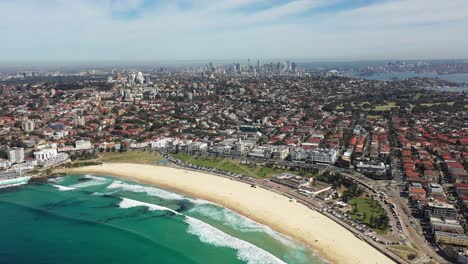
3, 154
372, 221
412, 256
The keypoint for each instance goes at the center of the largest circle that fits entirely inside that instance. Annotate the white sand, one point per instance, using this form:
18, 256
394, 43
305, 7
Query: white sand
334, 242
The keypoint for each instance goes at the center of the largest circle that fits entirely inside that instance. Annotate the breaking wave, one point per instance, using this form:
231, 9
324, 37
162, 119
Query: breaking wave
210, 235
145, 189
129, 203
245, 251
58, 179
63, 188
92, 181
239, 222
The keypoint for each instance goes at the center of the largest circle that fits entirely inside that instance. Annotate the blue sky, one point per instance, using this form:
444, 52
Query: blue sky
320, 30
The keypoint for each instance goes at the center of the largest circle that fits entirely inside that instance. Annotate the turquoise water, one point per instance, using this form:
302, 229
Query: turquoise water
100, 219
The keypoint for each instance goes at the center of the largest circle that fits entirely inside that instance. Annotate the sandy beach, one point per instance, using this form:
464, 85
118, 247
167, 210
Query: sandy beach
327, 238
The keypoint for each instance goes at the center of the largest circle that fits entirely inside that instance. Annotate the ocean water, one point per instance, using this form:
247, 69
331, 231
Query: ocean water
101, 219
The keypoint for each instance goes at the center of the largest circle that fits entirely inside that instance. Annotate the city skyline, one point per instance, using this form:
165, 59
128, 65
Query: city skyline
191, 30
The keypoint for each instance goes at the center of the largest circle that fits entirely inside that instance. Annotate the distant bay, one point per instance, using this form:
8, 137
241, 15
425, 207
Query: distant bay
456, 77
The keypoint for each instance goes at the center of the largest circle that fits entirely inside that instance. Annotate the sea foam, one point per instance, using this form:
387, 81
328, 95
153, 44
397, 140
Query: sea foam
239, 222
93, 181
245, 251
200, 201
63, 188
210, 235
58, 179
145, 189
129, 203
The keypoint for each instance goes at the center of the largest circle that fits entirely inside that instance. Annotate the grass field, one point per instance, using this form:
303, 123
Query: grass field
266, 172
432, 104
140, 157
229, 165
374, 117
385, 107
365, 211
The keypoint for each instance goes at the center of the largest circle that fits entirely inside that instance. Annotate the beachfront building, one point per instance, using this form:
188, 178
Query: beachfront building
197, 147
223, 149
441, 210
280, 152
5, 164
83, 145
16, 155
327, 156
299, 155
445, 225
291, 180
45, 154
139, 145
262, 152
324, 156
59, 158
161, 143
451, 238
26, 165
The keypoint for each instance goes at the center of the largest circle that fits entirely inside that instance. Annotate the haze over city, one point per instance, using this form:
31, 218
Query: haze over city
324, 30
234, 131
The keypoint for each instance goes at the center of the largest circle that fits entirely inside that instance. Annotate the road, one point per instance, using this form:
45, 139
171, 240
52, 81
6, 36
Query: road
413, 234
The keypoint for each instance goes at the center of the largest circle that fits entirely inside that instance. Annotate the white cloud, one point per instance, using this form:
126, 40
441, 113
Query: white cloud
86, 29
125, 5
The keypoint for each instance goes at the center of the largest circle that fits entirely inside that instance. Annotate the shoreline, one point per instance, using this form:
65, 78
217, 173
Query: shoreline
330, 240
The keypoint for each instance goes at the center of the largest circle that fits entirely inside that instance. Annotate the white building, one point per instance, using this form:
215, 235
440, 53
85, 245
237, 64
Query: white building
347, 155
83, 144
197, 146
378, 167
139, 145
280, 152
45, 154
59, 158
221, 149
260, 152
60, 134
162, 143
16, 155
323, 156
28, 126
299, 154
27, 165
140, 78
5, 164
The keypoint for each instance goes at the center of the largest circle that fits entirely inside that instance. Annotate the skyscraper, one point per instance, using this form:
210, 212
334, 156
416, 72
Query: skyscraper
140, 78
